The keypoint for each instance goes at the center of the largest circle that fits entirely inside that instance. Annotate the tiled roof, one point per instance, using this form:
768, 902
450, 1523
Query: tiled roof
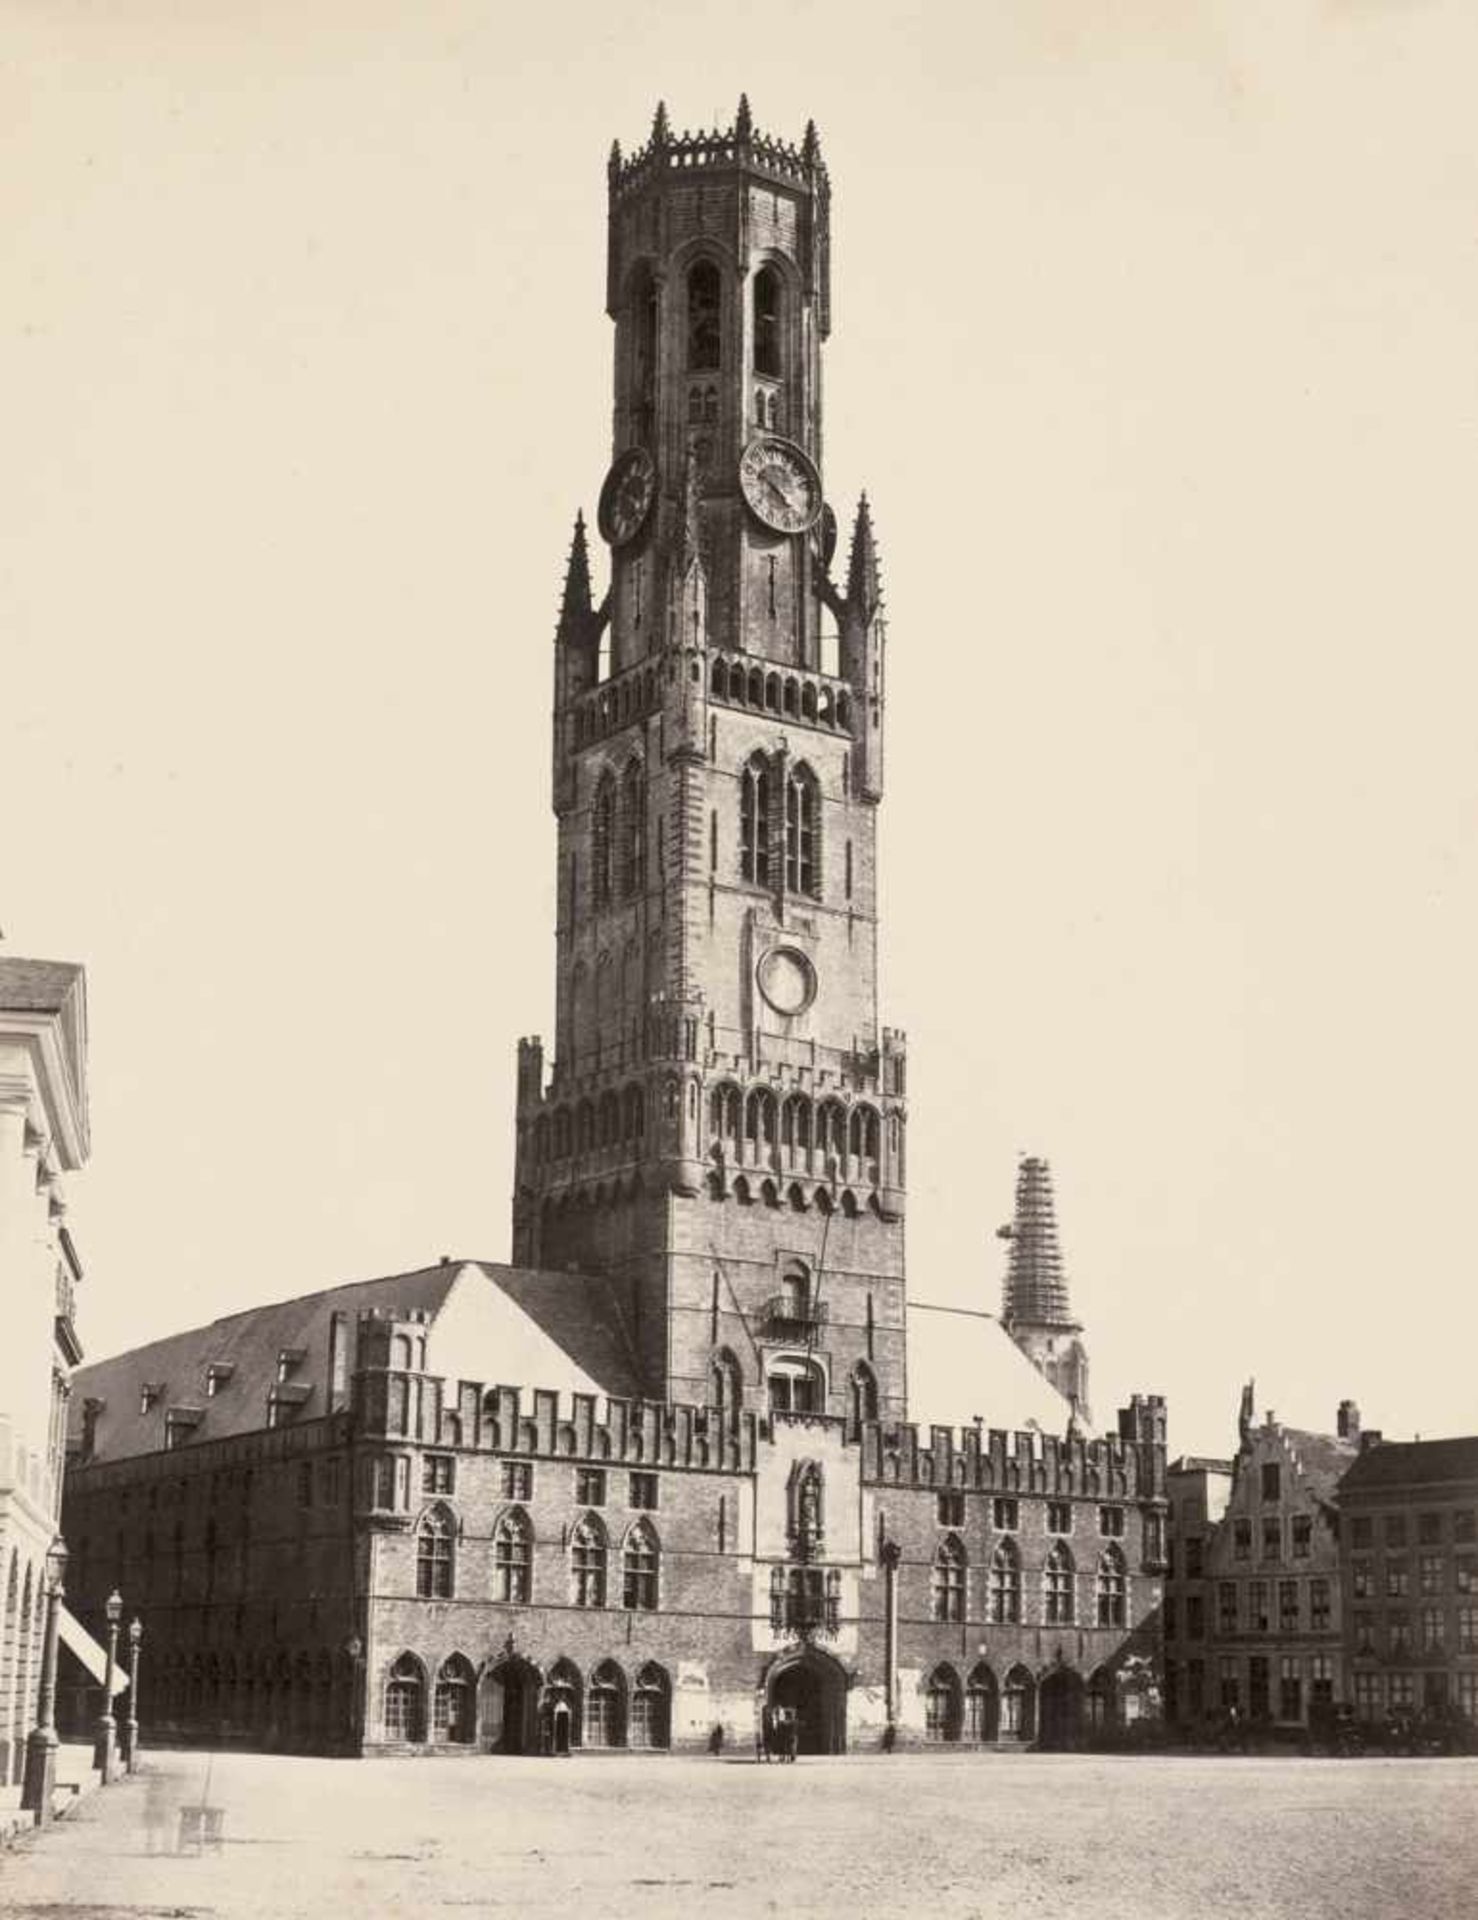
1400, 1463
250, 1344
557, 1330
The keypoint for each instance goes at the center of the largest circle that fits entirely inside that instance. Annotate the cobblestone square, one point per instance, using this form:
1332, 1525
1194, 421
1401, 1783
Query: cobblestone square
1053, 1835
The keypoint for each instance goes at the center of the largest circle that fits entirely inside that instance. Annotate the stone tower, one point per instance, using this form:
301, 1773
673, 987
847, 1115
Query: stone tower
1035, 1310
721, 1129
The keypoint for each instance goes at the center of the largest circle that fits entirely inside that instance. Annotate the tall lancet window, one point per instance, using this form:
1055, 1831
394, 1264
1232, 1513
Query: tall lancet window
802, 810
633, 829
767, 322
704, 301
754, 822
603, 838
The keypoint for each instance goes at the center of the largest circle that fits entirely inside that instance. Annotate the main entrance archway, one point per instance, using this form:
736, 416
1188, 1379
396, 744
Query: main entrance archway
814, 1687
510, 1707
1060, 1709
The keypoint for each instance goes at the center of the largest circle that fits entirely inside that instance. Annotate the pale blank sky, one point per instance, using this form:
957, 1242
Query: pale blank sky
1154, 349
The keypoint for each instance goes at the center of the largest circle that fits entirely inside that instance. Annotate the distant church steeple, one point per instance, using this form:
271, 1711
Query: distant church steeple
1035, 1309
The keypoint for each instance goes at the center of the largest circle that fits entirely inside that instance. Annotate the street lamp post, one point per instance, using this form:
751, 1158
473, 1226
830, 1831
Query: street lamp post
40, 1777
131, 1726
354, 1647
105, 1747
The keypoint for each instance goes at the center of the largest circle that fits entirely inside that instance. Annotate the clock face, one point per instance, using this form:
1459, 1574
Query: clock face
787, 980
782, 488
627, 496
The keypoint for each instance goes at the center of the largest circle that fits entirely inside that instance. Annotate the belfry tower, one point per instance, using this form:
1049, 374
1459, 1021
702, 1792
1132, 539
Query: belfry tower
1035, 1310
720, 1133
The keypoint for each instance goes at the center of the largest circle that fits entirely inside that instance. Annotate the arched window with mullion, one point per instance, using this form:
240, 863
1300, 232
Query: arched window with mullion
1057, 1587
947, 1585
640, 1562
435, 1579
754, 822
513, 1559
633, 862
588, 1562
802, 832
1005, 1584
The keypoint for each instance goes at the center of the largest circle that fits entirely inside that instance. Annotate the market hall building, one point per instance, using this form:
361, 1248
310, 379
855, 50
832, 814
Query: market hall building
693, 1454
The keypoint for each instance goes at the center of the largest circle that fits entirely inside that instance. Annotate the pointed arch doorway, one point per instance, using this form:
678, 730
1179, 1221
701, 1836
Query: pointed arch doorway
813, 1686
510, 1706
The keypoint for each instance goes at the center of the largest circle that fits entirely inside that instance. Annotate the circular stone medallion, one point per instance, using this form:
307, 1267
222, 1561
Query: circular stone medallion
787, 980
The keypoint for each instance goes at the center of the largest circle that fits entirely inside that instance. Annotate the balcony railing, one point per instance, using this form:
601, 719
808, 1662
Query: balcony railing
786, 1315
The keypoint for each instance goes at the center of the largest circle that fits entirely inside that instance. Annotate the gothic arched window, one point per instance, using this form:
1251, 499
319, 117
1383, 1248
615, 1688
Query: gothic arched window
982, 1703
942, 1705
603, 838
1057, 1588
704, 306
405, 1700
1005, 1584
725, 1394
767, 321
605, 1707
802, 835
633, 862
1111, 1588
588, 1562
754, 822
513, 1542
640, 1561
453, 1713
864, 1394
650, 1710
947, 1582
434, 1556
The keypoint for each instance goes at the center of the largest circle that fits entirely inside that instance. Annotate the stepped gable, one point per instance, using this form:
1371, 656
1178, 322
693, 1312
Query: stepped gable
963, 1365
1322, 1458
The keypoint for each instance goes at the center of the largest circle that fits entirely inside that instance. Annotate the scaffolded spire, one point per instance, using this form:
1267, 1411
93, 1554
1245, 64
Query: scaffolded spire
864, 587
1036, 1287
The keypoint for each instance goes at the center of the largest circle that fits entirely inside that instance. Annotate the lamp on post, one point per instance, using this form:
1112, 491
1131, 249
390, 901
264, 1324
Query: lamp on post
105, 1747
131, 1725
40, 1777
354, 1647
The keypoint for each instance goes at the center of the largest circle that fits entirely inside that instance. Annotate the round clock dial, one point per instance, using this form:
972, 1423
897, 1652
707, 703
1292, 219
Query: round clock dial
787, 980
782, 488
627, 496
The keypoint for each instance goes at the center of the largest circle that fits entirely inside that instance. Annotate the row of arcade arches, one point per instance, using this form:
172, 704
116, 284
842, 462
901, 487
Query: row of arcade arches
514, 1706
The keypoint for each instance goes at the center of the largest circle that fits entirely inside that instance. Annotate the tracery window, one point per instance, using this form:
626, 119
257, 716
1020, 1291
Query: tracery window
434, 1556
405, 1700
604, 1707
588, 1562
1005, 1584
947, 1583
754, 822
1057, 1587
453, 1714
640, 1563
802, 818
512, 1559
1111, 1587
650, 1713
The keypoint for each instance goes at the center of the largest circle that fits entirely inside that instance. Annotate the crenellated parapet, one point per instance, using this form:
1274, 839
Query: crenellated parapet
1026, 1462
399, 1404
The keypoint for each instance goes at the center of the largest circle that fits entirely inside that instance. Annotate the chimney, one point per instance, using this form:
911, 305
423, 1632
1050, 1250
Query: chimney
1370, 1438
1348, 1421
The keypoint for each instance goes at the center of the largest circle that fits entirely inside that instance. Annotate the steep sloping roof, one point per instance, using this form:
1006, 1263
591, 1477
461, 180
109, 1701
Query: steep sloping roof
250, 1343
1403, 1463
555, 1330
581, 1314
963, 1364
1322, 1458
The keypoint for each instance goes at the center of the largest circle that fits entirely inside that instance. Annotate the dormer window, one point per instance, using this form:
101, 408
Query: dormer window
149, 1397
216, 1376
289, 1359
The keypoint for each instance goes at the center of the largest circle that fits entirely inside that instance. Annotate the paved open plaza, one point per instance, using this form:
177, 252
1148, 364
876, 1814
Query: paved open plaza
1053, 1835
